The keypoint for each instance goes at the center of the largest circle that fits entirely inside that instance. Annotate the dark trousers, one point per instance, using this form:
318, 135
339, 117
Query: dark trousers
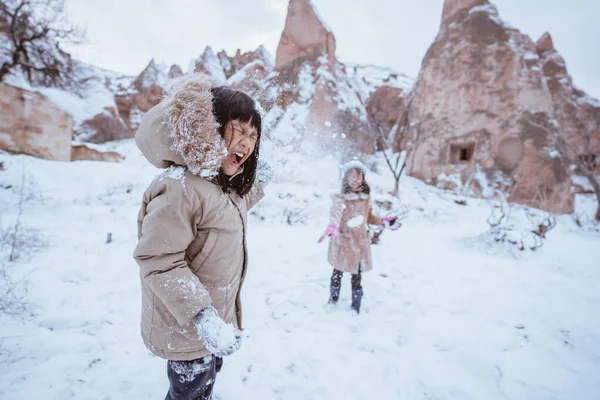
193, 380
336, 283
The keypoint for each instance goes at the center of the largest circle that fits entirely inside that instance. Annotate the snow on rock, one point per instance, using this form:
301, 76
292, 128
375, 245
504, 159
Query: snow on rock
367, 78
208, 63
492, 13
468, 134
266, 55
155, 74
97, 98
305, 33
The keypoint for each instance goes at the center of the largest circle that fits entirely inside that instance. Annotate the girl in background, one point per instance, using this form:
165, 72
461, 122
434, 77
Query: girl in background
349, 245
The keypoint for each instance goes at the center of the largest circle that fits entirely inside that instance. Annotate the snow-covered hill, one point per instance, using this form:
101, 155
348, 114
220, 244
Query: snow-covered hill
443, 318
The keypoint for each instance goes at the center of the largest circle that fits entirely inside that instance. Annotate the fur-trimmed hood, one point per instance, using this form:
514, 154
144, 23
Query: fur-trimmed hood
354, 164
355, 196
182, 129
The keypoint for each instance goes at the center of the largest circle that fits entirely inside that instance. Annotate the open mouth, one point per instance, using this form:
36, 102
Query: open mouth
236, 158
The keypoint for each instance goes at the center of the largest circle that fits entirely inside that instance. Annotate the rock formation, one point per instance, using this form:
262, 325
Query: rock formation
482, 114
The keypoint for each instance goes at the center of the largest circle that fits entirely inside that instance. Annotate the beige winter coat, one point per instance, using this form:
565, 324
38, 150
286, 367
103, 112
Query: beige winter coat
352, 212
192, 236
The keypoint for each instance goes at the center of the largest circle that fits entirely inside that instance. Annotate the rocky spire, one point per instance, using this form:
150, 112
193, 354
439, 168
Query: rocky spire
452, 7
544, 44
305, 35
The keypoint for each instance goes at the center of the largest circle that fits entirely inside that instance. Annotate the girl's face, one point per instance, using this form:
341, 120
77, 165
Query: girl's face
240, 139
355, 179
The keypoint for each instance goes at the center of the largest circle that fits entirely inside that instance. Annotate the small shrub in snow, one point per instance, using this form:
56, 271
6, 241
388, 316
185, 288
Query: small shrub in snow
585, 223
17, 243
295, 216
544, 225
509, 235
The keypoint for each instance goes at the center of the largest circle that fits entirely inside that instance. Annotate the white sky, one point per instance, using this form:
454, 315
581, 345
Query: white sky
123, 35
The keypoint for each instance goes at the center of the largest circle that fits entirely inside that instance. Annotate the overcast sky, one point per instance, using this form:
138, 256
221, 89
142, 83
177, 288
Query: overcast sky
123, 35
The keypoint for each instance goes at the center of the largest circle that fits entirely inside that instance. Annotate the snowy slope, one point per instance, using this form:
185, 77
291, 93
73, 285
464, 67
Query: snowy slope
442, 319
97, 94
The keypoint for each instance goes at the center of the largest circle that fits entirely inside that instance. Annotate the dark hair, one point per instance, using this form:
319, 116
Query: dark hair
228, 105
364, 187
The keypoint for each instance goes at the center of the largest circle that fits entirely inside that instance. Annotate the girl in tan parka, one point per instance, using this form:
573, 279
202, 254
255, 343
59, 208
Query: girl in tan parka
192, 228
350, 241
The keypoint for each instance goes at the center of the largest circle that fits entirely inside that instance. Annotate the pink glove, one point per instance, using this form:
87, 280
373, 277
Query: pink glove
391, 221
332, 230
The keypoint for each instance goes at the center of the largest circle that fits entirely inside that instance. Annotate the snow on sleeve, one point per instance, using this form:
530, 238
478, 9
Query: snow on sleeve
176, 173
167, 229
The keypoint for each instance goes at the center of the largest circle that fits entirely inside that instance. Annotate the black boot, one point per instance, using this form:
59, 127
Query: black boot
357, 291
334, 295
356, 299
334, 288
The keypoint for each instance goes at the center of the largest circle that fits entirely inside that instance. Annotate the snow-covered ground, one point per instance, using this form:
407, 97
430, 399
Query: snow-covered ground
441, 318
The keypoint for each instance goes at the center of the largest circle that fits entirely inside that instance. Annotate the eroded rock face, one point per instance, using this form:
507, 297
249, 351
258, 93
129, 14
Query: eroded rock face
313, 101
249, 77
30, 124
221, 67
577, 114
146, 91
482, 114
81, 152
305, 34
385, 105
106, 126
453, 7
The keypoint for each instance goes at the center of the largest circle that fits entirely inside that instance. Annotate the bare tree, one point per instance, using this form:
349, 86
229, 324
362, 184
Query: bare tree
21, 241
580, 155
13, 246
35, 30
586, 161
396, 162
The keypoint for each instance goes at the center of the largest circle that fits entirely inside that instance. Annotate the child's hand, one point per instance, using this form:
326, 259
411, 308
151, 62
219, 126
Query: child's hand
392, 222
332, 230
220, 339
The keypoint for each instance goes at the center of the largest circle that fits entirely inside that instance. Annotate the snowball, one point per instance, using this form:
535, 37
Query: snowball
356, 221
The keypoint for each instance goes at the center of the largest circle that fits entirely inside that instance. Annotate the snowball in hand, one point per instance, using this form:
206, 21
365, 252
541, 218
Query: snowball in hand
356, 221
220, 338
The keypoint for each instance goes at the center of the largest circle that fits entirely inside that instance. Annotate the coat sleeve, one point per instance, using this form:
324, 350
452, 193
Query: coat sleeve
264, 175
337, 210
167, 229
254, 196
373, 218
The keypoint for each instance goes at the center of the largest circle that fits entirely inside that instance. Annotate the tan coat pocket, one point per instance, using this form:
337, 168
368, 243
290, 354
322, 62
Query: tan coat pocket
209, 246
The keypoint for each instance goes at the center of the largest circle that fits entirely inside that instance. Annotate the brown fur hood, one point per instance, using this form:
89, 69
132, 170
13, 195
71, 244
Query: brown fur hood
182, 129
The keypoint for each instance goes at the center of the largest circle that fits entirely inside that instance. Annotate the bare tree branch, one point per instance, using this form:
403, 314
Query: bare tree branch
36, 30
396, 134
